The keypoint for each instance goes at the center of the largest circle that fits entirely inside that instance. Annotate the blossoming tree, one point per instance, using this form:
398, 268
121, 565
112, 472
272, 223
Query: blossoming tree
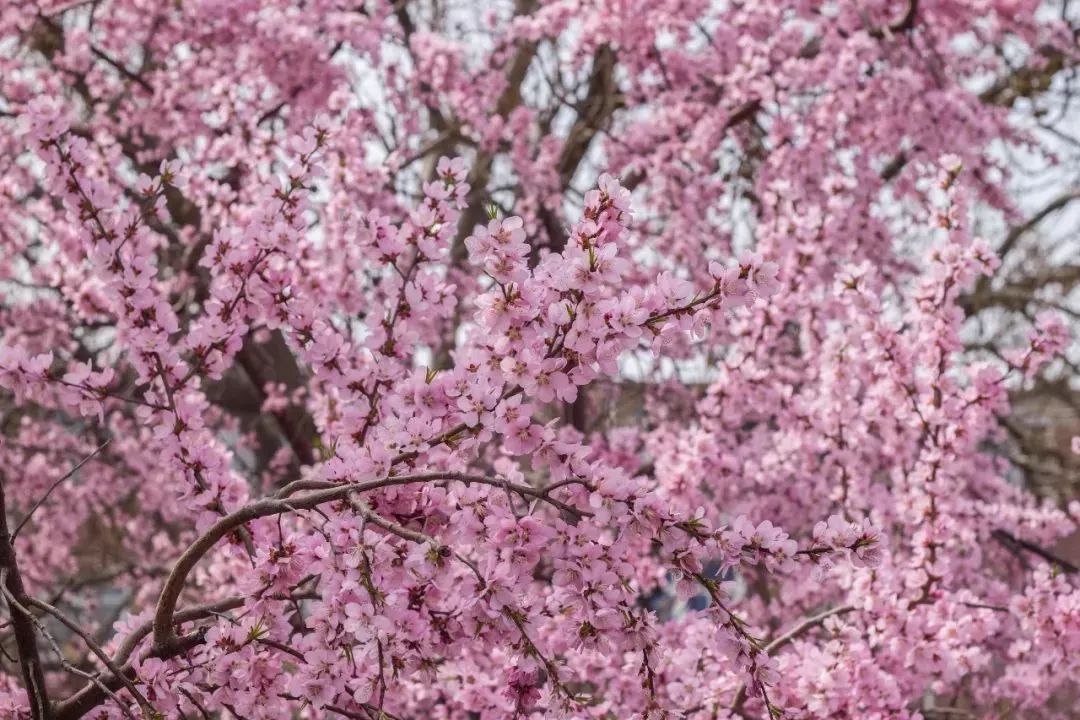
577, 358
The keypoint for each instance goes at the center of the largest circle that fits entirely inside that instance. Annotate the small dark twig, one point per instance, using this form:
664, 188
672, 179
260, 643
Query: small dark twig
43, 498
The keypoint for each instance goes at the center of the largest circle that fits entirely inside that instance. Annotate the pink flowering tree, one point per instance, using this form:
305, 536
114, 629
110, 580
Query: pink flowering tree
468, 360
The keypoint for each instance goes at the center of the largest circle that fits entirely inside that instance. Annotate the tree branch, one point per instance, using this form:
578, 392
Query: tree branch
806, 624
22, 622
93, 693
43, 498
165, 638
94, 648
1007, 539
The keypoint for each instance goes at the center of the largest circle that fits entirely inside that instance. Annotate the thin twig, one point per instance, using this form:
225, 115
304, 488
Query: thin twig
43, 498
94, 648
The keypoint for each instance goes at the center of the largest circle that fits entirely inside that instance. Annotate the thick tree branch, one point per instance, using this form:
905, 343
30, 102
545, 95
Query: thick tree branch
22, 622
1029, 81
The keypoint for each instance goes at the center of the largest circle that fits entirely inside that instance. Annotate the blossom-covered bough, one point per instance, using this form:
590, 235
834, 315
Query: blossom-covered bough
542, 359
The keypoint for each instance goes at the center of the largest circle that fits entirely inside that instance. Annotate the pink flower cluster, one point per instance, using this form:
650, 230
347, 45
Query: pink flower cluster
561, 360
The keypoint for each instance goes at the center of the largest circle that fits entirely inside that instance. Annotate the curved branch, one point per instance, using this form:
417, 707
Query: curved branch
91, 695
902, 25
165, 638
